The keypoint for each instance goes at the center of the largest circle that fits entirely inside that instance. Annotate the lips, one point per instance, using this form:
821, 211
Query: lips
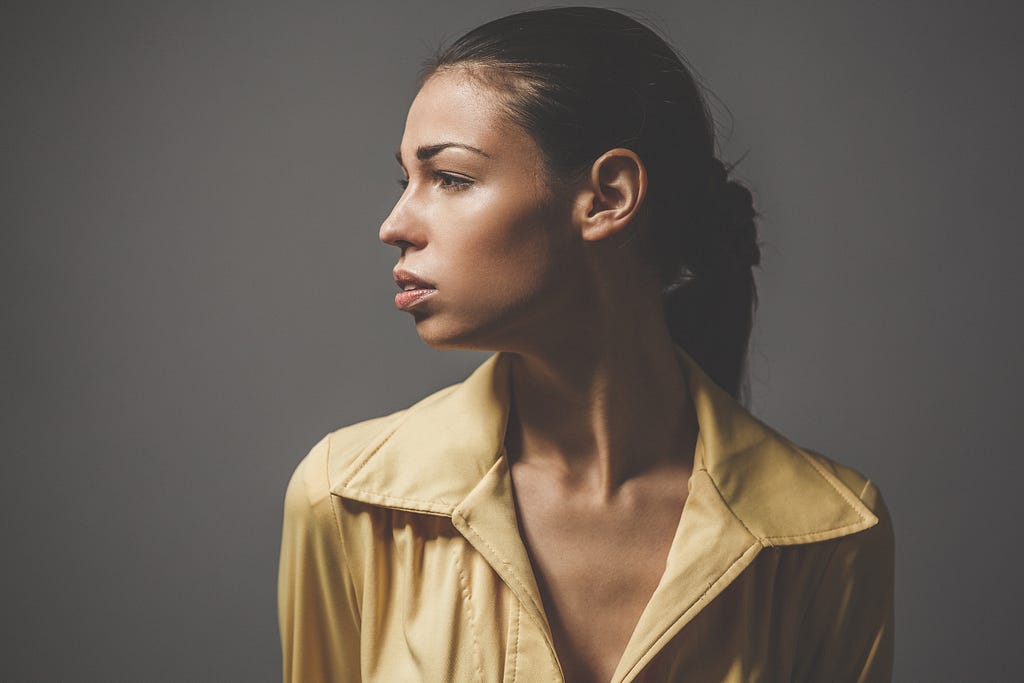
408, 280
414, 289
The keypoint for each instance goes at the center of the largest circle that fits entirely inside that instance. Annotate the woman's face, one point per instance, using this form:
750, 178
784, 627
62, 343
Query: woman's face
479, 222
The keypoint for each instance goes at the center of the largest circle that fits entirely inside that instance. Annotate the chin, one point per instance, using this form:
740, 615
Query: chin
442, 337
438, 336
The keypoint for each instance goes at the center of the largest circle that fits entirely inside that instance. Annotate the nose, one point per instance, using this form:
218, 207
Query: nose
401, 228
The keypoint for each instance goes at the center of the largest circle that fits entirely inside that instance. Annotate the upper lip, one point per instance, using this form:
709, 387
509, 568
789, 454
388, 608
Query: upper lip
404, 278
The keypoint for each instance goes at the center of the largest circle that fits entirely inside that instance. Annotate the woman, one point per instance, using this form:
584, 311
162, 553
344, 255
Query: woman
593, 502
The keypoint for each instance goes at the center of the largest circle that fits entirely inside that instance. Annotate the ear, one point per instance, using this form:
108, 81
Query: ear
612, 195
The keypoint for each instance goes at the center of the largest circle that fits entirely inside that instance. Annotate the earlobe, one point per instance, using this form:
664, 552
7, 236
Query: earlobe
616, 188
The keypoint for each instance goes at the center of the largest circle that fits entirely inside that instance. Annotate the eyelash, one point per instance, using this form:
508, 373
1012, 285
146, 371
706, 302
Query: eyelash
457, 184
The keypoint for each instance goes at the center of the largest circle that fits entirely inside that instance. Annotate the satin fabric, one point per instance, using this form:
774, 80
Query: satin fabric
401, 558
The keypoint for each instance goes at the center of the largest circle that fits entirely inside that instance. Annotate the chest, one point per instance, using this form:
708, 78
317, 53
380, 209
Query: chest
434, 607
597, 565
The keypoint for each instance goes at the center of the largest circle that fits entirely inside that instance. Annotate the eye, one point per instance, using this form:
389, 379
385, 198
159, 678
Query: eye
452, 183
448, 182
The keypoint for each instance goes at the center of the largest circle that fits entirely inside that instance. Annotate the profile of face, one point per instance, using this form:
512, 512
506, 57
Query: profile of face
479, 221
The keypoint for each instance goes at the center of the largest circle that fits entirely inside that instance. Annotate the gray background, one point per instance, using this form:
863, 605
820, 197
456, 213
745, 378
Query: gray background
194, 293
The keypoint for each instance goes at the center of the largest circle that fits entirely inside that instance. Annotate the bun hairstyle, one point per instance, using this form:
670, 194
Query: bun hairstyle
583, 80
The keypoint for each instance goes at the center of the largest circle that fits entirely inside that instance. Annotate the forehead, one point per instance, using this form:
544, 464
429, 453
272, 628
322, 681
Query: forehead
452, 106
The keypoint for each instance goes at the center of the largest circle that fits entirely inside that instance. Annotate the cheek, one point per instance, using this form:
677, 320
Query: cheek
510, 255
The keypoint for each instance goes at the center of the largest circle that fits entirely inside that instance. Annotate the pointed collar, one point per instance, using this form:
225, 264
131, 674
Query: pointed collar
440, 449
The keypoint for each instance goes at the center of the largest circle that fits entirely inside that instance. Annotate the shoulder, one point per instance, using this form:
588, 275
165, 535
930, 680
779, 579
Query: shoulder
856, 482
865, 558
337, 452
847, 627
318, 469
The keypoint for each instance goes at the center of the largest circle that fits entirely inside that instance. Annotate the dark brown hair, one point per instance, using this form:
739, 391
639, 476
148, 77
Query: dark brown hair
555, 69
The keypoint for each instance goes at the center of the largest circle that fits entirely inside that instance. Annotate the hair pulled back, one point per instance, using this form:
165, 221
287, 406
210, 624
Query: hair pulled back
583, 80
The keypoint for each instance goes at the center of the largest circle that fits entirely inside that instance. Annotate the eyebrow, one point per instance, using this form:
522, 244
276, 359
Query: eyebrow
425, 152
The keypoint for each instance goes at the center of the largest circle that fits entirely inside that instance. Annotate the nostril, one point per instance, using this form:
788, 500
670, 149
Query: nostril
401, 244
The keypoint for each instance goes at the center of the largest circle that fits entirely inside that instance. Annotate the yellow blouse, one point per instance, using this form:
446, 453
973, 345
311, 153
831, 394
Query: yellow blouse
401, 558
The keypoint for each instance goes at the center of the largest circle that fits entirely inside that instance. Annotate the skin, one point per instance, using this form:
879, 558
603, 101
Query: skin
602, 429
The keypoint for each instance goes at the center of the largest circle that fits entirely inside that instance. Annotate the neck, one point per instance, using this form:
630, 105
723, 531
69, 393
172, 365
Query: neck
596, 410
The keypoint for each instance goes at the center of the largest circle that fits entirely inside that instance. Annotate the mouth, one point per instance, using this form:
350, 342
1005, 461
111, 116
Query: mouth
406, 299
413, 289
410, 285
408, 280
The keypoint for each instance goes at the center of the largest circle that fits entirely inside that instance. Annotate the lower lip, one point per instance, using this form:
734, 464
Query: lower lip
406, 300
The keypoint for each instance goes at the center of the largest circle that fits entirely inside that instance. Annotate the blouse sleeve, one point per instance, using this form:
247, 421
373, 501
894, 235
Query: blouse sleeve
318, 613
847, 633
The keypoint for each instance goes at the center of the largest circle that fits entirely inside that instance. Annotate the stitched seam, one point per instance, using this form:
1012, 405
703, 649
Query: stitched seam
341, 543
515, 649
770, 540
408, 411
503, 561
695, 603
373, 452
359, 446
400, 499
843, 492
512, 574
464, 584
728, 507
817, 534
